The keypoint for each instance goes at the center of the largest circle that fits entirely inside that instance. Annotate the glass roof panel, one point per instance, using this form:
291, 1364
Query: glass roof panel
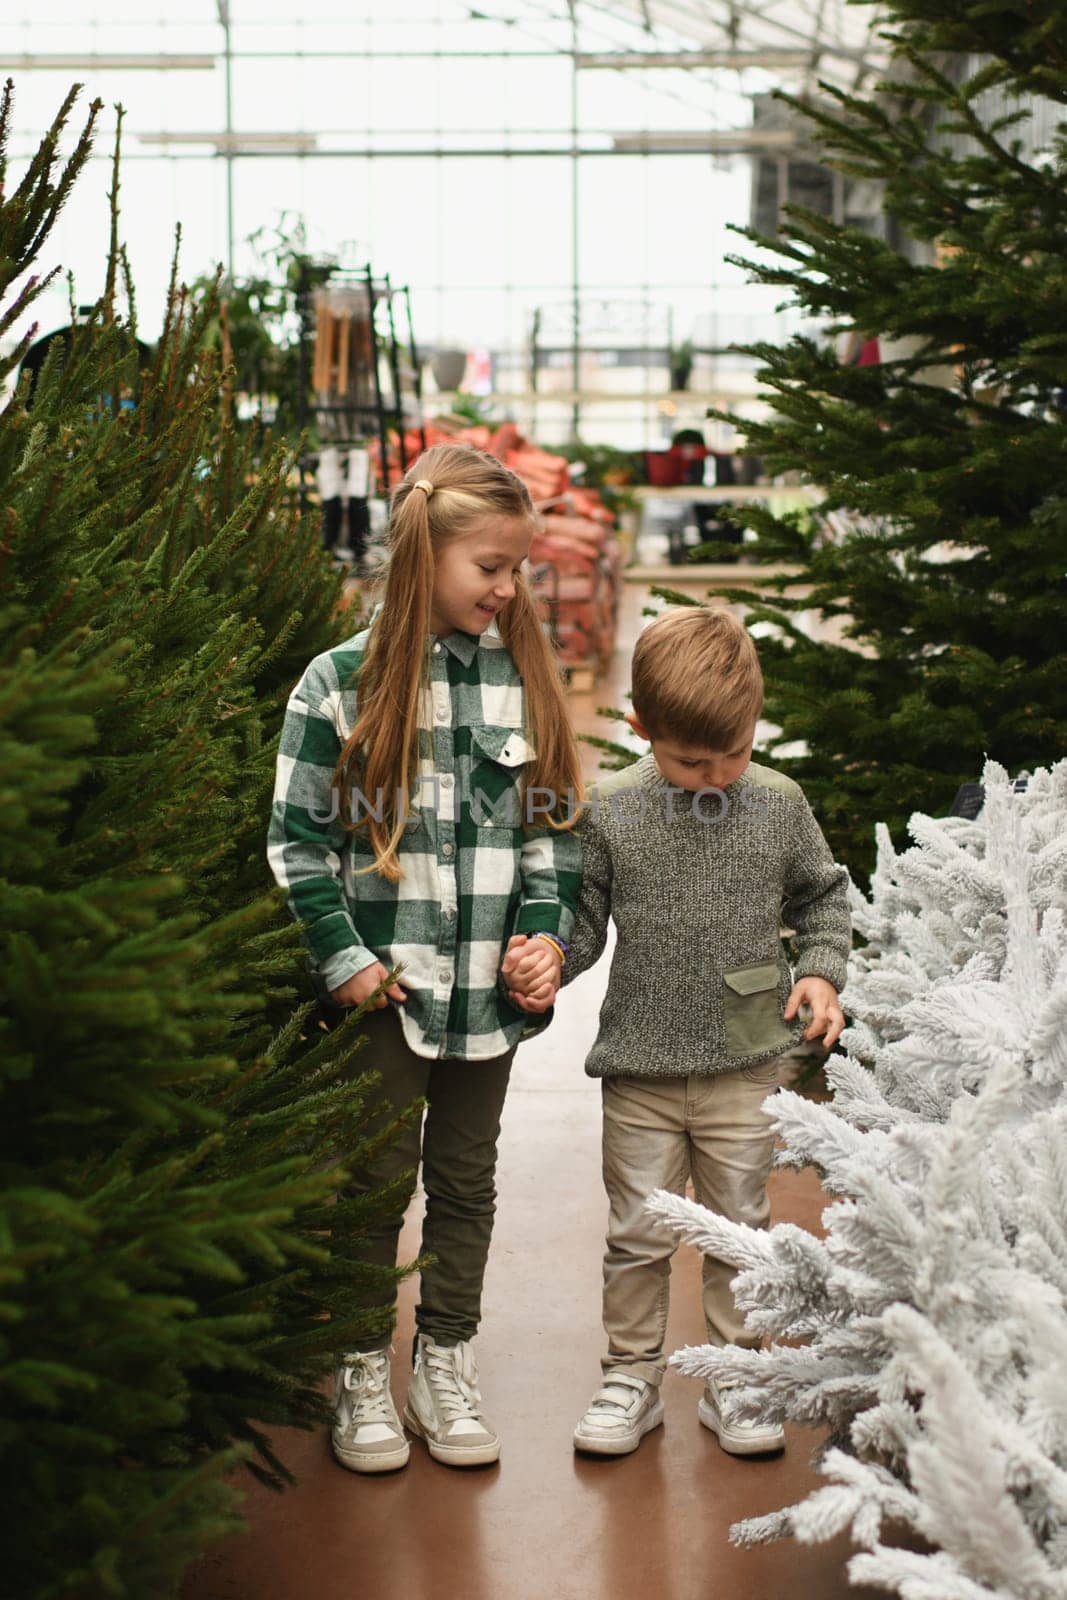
503, 157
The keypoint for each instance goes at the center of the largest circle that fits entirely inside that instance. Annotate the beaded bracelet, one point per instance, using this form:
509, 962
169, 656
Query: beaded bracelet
557, 945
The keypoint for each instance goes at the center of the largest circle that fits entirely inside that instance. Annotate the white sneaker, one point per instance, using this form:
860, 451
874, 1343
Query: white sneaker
739, 1438
619, 1416
444, 1405
366, 1435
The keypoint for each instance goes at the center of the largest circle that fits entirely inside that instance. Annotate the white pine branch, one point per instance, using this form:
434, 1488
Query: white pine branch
934, 1310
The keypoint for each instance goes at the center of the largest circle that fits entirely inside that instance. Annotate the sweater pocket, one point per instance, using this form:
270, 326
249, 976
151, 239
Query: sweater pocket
752, 1011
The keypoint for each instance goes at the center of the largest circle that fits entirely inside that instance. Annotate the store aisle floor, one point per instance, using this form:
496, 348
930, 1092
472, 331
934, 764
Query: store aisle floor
544, 1524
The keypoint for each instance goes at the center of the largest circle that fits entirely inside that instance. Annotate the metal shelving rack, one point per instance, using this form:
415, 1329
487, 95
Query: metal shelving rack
372, 398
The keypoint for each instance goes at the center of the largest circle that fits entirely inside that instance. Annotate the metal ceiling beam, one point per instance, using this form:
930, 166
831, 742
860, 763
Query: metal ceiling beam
768, 57
685, 18
238, 143
222, 9
209, 147
738, 141
58, 61
661, 88
810, 77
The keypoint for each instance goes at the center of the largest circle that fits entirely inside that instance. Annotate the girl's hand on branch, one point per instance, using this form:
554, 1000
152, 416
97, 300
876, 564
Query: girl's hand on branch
355, 990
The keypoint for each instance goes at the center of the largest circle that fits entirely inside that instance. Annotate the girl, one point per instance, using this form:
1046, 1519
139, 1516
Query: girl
414, 760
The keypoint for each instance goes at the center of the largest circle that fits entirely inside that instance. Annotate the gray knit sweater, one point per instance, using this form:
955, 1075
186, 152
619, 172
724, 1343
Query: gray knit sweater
699, 977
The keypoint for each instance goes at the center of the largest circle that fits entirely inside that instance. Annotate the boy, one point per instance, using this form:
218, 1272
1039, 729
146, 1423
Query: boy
700, 857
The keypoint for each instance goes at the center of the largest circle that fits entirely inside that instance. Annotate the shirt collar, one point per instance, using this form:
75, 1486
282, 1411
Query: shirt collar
464, 646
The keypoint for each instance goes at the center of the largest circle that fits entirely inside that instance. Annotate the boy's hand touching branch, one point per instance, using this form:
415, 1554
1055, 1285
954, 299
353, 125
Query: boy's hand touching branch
531, 969
827, 1018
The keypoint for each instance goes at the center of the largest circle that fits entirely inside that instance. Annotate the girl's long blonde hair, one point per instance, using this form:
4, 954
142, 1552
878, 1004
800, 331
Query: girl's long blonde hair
382, 752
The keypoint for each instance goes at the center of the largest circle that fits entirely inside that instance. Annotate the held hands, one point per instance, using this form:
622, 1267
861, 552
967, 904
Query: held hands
355, 990
827, 1018
531, 969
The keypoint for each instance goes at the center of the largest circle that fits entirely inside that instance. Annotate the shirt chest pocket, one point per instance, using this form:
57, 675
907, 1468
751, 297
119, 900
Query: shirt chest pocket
499, 756
752, 1011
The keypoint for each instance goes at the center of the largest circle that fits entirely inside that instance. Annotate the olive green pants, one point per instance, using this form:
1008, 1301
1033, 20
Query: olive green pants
457, 1140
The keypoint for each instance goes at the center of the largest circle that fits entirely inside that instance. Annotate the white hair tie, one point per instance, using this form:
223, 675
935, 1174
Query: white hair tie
425, 485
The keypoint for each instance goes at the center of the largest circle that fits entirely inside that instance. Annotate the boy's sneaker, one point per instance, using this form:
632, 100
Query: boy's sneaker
444, 1405
619, 1416
739, 1438
366, 1435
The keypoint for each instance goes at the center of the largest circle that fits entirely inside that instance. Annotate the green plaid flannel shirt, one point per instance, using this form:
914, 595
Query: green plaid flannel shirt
471, 875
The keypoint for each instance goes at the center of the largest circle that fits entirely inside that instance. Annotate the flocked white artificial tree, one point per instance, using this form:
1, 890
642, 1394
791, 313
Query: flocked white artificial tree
933, 1315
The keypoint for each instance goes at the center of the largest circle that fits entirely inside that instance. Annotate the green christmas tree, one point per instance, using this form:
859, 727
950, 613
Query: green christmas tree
177, 1272
947, 461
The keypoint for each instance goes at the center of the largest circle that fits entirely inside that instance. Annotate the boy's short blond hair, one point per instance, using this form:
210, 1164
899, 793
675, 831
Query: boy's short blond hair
697, 678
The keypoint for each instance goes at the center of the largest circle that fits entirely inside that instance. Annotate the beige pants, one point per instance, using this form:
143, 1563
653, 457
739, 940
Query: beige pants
659, 1132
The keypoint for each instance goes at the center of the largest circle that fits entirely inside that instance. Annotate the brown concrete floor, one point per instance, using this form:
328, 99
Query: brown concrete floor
544, 1524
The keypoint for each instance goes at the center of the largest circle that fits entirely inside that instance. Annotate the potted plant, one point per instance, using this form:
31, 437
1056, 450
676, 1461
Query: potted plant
610, 471
448, 367
680, 362
690, 451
